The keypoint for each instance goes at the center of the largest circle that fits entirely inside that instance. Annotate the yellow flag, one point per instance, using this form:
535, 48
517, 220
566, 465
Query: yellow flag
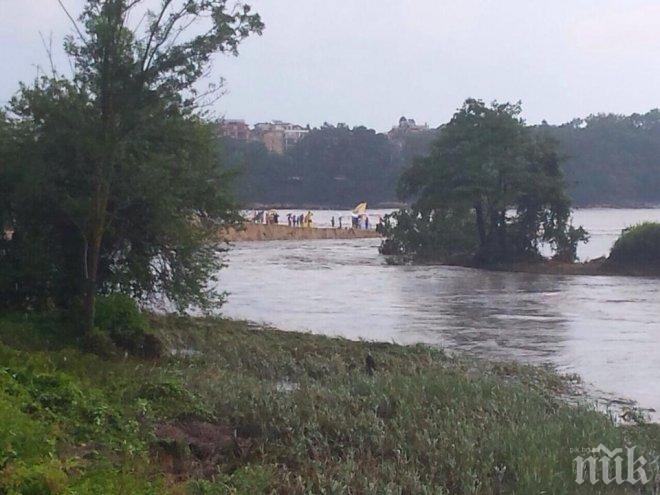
360, 209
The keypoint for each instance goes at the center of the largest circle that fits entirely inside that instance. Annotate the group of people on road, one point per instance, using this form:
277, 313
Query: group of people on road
302, 220
360, 222
271, 217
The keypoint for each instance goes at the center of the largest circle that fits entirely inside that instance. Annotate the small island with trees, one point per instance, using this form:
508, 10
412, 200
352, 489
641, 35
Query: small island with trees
490, 194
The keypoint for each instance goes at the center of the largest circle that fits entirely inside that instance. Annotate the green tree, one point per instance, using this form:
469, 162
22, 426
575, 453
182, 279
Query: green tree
115, 183
343, 165
486, 170
332, 165
611, 159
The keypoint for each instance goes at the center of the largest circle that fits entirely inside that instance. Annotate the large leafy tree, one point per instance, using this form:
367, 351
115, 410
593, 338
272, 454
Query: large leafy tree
345, 165
113, 180
486, 172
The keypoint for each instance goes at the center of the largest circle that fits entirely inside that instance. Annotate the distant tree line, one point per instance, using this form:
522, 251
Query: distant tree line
607, 159
611, 159
331, 166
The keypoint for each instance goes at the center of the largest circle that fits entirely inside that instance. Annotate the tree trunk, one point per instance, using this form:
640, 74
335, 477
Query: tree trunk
502, 234
481, 228
493, 236
93, 255
89, 299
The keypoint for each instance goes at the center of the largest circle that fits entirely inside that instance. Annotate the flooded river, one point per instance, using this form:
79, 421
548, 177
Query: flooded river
606, 329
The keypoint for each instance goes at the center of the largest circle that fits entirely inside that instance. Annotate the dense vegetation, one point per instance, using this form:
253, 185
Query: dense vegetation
490, 190
245, 410
611, 159
110, 179
332, 165
638, 248
607, 160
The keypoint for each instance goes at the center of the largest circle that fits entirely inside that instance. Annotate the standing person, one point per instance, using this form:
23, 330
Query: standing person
288, 219
340, 222
332, 222
276, 218
366, 222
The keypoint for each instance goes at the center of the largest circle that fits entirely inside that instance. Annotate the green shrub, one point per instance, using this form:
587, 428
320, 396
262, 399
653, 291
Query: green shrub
21, 437
248, 480
638, 246
100, 343
35, 479
127, 326
171, 398
62, 431
108, 480
440, 236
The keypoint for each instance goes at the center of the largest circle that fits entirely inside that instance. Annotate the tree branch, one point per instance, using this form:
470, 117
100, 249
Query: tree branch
173, 19
49, 51
154, 28
73, 21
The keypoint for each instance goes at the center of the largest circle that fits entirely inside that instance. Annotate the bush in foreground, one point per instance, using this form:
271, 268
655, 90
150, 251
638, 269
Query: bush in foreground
120, 322
638, 247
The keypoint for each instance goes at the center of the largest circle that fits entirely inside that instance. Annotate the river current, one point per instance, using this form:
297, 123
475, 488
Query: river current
606, 329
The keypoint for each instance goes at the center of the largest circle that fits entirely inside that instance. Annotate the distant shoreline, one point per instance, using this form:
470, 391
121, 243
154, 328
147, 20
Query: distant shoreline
285, 206
262, 232
597, 267
397, 205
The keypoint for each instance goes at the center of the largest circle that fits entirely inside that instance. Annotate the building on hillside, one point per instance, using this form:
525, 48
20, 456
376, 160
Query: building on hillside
273, 140
293, 135
406, 127
279, 136
235, 129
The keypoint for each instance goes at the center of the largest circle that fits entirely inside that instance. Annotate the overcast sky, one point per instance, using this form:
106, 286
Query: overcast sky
371, 61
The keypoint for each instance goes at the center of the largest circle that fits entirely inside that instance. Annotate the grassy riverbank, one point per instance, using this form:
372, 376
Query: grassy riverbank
242, 409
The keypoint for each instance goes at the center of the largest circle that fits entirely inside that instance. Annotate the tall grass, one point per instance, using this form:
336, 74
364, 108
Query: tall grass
423, 422
308, 416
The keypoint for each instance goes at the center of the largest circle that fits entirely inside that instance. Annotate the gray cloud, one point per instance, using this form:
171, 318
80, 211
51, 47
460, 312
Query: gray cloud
370, 61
